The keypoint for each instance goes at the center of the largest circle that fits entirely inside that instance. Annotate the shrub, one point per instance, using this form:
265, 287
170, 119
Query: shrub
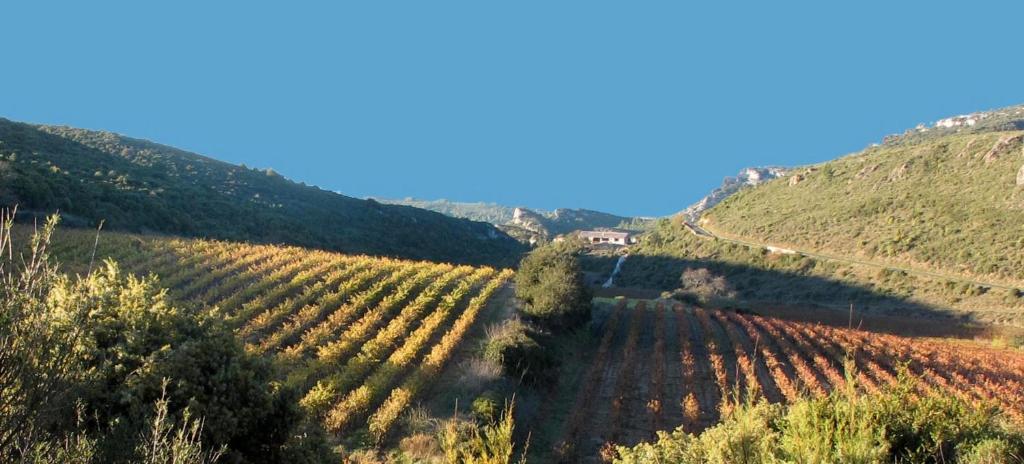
896, 425
991, 451
701, 286
512, 346
36, 365
133, 339
112, 345
485, 406
550, 285
468, 442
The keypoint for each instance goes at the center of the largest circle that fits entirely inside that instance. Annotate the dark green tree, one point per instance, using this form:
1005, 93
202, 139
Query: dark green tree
550, 285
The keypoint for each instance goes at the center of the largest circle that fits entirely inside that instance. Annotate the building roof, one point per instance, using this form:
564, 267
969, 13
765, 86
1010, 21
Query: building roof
603, 234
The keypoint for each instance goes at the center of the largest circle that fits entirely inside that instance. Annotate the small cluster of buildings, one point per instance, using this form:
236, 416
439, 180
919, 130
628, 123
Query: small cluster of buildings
967, 120
607, 237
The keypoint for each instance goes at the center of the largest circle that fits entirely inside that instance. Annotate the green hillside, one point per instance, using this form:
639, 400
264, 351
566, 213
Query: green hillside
135, 185
949, 202
928, 223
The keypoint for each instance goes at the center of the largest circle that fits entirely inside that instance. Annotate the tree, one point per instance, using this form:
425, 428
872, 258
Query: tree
550, 285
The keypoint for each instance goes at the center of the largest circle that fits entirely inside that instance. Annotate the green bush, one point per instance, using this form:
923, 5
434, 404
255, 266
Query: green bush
111, 345
133, 340
467, 442
520, 356
896, 425
550, 285
485, 406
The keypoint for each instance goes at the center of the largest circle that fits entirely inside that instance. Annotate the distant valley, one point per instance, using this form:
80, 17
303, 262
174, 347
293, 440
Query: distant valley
528, 224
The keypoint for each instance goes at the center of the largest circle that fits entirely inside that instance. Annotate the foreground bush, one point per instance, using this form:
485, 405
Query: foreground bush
83, 361
472, 443
897, 425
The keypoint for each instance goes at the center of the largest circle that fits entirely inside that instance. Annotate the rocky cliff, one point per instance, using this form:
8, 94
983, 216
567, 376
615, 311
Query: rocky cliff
746, 178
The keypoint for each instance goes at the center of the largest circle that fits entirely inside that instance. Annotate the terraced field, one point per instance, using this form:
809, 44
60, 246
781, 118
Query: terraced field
660, 365
362, 336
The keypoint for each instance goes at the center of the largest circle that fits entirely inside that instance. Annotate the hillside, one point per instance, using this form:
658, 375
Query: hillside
525, 223
927, 224
139, 186
939, 199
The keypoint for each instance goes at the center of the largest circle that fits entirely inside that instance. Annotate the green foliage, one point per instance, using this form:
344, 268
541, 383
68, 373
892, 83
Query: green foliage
466, 442
485, 406
550, 285
109, 346
512, 346
136, 185
36, 361
897, 425
133, 340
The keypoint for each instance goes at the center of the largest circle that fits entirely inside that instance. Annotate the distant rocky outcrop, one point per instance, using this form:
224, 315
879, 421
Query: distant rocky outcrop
563, 221
746, 178
527, 225
529, 220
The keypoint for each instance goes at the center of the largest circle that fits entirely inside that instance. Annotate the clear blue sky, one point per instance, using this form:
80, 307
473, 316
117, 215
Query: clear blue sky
627, 107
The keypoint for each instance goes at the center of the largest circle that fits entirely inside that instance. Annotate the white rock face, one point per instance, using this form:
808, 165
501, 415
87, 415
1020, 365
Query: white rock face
746, 178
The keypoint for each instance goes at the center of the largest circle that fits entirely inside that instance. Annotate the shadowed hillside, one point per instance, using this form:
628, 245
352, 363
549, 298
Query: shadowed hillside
135, 185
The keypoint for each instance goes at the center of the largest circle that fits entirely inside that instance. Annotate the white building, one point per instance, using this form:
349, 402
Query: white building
608, 237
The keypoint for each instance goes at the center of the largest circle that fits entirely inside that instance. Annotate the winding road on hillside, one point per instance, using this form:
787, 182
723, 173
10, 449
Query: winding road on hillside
703, 232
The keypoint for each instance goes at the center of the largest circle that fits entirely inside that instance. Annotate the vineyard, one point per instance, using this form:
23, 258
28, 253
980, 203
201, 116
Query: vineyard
361, 336
660, 365
364, 338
